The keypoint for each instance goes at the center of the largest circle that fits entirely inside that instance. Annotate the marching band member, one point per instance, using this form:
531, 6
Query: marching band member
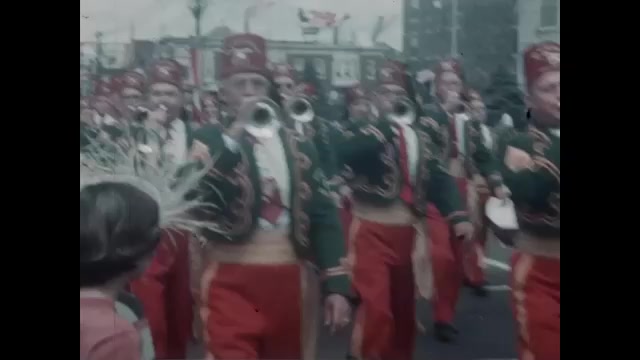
164, 288
447, 251
131, 91
320, 131
531, 171
358, 108
102, 118
394, 175
482, 169
275, 213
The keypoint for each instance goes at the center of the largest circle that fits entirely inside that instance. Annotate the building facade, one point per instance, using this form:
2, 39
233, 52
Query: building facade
427, 32
538, 20
483, 34
335, 65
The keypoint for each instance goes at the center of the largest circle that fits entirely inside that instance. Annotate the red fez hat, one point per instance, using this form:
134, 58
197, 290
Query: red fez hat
355, 93
393, 73
448, 65
283, 70
134, 80
166, 71
243, 53
540, 59
103, 87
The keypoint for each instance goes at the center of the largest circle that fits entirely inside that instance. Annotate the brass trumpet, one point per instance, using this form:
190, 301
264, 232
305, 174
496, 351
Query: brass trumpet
402, 111
262, 119
300, 109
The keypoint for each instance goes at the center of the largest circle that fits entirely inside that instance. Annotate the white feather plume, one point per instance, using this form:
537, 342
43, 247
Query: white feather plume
171, 186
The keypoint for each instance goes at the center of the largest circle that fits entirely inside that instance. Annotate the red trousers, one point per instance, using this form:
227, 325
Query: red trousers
383, 277
252, 312
165, 295
474, 257
536, 300
446, 260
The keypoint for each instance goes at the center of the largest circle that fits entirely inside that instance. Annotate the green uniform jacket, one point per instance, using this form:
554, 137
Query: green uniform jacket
536, 191
322, 133
437, 126
370, 151
480, 158
316, 232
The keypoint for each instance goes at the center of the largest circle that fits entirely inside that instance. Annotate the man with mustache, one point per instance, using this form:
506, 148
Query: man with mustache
164, 289
275, 214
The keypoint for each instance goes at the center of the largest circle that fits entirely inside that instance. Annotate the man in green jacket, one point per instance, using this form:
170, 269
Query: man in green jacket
530, 164
275, 215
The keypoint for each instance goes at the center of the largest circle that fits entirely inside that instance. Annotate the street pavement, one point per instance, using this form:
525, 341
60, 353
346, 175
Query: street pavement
486, 325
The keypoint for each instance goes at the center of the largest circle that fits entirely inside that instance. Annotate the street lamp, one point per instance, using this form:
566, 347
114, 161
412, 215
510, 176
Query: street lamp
197, 8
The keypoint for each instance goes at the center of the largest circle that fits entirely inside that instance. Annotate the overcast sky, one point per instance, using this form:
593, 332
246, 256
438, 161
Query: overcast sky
154, 18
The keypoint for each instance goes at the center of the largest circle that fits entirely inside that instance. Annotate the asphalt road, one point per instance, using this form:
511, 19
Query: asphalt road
486, 325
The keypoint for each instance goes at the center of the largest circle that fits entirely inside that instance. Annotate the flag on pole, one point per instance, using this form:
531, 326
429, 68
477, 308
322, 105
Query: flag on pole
312, 21
319, 19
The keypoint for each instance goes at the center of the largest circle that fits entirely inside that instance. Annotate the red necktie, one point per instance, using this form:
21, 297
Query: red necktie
272, 206
406, 193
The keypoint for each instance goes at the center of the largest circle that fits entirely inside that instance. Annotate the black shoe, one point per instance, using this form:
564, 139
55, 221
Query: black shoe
478, 290
444, 332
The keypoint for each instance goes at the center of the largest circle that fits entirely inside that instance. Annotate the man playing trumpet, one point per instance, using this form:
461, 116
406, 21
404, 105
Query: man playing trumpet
275, 213
394, 174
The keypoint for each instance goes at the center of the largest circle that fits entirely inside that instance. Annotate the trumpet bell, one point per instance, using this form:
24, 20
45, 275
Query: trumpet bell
263, 118
403, 112
300, 109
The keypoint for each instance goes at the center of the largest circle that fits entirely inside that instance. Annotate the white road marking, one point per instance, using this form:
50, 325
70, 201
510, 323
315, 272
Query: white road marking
497, 264
498, 287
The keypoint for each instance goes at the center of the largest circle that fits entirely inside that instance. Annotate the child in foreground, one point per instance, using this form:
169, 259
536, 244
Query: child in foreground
126, 202
119, 230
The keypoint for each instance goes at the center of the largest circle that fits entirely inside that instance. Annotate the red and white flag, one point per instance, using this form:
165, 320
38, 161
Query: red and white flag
317, 19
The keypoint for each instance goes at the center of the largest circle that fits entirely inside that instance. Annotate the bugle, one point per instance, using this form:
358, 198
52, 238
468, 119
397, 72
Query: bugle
262, 119
300, 109
403, 111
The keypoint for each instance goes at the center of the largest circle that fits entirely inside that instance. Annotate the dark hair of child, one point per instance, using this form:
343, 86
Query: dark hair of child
119, 226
